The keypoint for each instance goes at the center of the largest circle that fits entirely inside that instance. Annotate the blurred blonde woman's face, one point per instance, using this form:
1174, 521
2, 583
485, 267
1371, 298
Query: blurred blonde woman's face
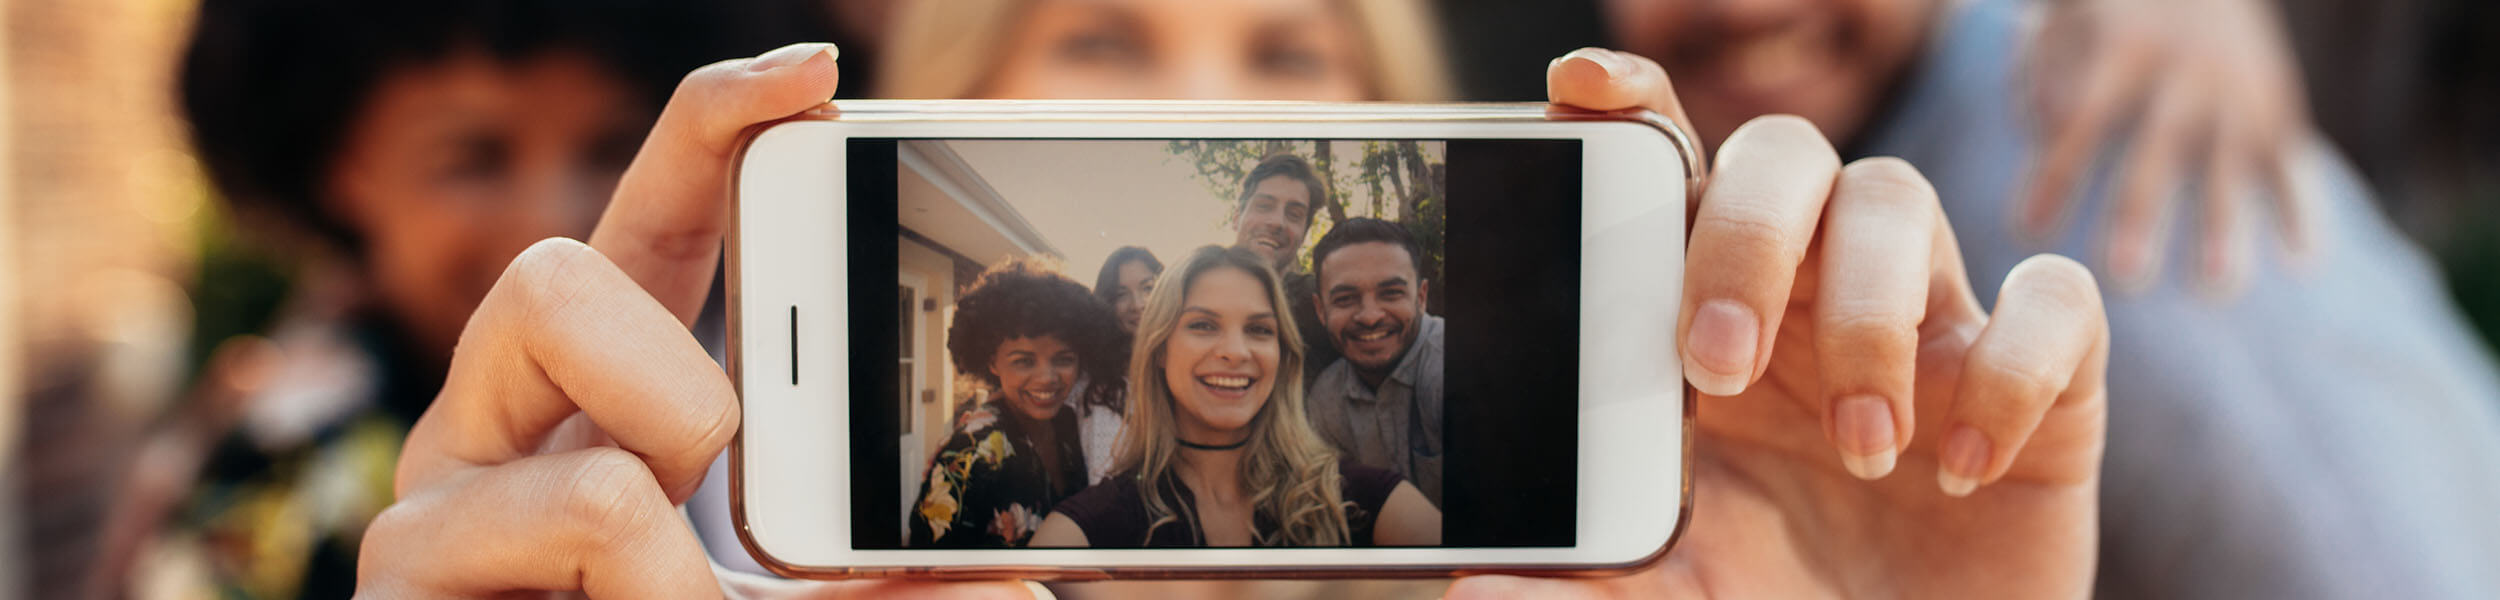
1194, 49
1220, 362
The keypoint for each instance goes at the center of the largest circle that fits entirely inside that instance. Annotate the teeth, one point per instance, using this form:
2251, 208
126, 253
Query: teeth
1225, 381
1371, 336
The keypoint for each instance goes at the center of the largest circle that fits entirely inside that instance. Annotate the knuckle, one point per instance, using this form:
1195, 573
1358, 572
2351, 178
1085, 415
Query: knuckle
400, 532
713, 426
1868, 333
1646, 67
705, 77
607, 493
1749, 230
721, 426
550, 275
394, 521
382, 535
2016, 377
1886, 179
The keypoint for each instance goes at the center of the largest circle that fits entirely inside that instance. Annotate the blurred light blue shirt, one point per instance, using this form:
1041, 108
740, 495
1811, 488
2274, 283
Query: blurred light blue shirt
2332, 433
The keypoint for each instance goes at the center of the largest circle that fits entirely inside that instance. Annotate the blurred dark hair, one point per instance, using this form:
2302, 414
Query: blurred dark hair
1286, 165
1359, 230
271, 87
1022, 298
1107, 282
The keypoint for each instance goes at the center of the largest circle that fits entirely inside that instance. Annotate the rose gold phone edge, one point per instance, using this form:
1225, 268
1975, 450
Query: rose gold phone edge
1195, 111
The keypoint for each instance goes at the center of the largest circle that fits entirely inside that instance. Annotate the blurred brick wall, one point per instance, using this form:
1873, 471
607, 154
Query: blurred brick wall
100, 199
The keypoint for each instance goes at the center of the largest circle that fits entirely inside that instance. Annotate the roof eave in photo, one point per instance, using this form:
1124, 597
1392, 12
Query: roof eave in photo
938, 163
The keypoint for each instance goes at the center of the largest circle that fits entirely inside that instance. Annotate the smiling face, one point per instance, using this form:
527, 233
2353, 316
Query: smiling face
1369, 300
1208, 49
1034, 374
1830, 61
1136, 281
1274, 220
1221, 360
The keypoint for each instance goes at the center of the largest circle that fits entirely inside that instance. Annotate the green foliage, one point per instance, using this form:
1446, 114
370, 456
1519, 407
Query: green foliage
1398, 181
239, 288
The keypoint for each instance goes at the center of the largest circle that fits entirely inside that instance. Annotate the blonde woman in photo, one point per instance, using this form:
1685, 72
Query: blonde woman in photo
1219, 451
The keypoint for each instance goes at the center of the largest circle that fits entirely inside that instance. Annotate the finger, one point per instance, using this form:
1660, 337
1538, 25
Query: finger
2074, 138
1870, 298
664, 226
1602, 79
746, 586
2045, 348
590, 520
2224, 246
1655, 583
566, 332
1748, 236
2295, 205
2148, 187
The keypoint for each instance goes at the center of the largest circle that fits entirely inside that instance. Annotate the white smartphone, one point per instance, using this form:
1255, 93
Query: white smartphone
1173, 339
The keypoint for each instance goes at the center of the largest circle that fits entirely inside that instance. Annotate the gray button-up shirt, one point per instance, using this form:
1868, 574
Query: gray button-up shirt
1395, 427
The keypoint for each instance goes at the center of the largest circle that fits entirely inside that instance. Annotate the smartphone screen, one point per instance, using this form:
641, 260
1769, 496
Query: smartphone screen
1071, 324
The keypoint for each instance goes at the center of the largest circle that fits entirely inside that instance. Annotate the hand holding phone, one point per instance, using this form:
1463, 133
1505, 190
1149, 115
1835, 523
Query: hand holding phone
579, 409
1859, 291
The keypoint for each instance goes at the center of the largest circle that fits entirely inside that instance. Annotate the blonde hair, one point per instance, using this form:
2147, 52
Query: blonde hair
946, 49
1291, 475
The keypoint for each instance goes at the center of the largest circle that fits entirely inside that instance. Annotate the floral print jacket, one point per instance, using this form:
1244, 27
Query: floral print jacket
988, 486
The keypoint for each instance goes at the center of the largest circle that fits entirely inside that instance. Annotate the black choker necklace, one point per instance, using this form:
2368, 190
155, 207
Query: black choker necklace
1198, 446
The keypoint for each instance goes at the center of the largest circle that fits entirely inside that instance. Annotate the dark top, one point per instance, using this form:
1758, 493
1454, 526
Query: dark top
1113, 515
1317, 351
988, 486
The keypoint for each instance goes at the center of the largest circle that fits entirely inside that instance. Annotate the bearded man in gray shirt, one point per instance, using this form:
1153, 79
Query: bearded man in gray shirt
1380, 401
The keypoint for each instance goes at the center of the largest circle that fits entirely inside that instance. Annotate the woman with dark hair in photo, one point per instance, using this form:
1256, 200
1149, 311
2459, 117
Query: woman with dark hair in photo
1219, 451
1029, 333
1126, 278
1123, 283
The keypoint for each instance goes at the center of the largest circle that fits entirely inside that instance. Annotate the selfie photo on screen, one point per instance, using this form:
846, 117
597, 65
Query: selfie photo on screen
1251, 340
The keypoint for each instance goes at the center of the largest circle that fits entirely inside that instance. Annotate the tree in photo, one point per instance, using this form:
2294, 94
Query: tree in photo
1398, 180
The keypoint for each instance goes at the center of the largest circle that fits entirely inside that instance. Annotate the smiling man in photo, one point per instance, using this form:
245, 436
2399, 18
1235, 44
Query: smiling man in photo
1380, 401
1271, 218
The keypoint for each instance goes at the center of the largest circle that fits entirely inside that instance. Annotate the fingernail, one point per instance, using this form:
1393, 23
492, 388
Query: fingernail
1965, 457
791, 55
1614, 63
1863, 426
1719, 351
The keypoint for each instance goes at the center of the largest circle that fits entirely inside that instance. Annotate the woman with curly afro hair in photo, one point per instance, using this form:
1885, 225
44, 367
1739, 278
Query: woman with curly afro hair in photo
1036, 338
